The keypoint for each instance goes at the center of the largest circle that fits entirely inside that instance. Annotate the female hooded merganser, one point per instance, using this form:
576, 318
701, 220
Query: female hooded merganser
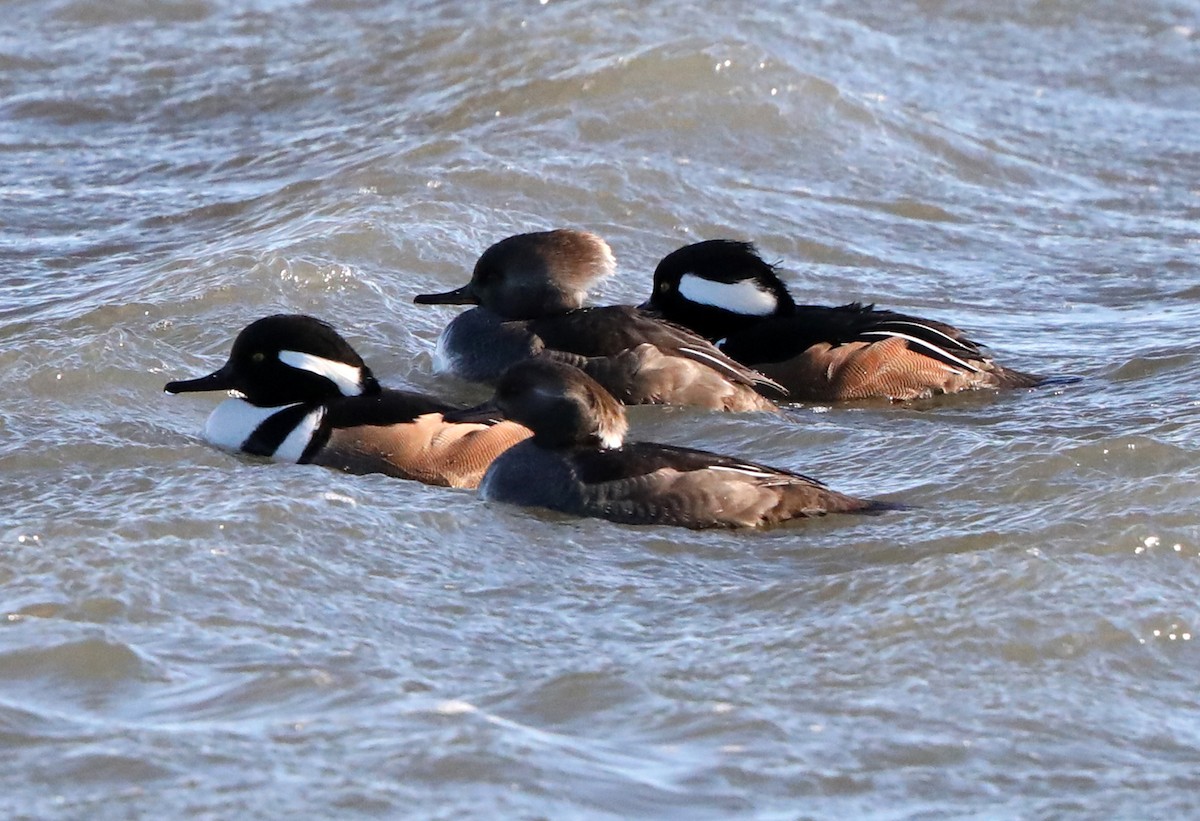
724, 291
578, 463
530, 290
308, 397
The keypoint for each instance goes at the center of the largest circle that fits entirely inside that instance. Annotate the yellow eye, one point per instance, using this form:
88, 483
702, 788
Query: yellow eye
258, 357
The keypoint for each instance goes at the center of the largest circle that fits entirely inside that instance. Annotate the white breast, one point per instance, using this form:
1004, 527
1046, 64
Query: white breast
235, 420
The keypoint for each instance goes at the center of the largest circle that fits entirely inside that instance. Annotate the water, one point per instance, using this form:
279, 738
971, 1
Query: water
193, 634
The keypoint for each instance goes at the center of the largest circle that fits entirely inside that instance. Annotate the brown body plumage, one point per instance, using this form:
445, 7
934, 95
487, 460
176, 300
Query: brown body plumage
530, 290
724, 291
308, 397
578, 462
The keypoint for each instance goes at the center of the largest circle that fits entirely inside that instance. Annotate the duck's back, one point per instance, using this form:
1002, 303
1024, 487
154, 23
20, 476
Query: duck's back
641, 360
646, 483
479, 345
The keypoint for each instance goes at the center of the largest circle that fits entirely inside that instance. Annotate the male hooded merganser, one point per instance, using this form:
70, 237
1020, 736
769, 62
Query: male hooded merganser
578, 463
725, 291
530, 290
308, 397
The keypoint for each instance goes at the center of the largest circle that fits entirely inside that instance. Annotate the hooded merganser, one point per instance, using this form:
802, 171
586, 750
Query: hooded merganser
578, 463
308, 397
530, 290
725, 291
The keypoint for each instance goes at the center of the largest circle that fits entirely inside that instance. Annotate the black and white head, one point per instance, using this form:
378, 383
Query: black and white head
561, 404
287, 358
531, 275
716, 287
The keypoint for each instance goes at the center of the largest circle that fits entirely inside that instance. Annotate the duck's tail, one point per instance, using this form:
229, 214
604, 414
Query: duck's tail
1009, 378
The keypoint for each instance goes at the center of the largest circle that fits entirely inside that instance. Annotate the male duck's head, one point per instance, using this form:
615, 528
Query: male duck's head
284, 359
717, 287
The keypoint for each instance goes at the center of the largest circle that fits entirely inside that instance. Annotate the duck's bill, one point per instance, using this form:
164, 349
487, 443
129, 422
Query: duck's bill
483, 414
459, 296
216, 381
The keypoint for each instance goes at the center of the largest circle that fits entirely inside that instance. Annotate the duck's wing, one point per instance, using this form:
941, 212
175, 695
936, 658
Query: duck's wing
596, 466
926, 336
610, 330
857, 351
783, 337
645, 375
646, 483
388, 407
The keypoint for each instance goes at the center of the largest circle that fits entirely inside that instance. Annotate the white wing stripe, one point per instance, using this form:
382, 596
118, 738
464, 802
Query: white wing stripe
939, 352
752, 376
746, 470
717, 363
949, 339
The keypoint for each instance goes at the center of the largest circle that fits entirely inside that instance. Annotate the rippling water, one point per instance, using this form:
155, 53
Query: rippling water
193, 634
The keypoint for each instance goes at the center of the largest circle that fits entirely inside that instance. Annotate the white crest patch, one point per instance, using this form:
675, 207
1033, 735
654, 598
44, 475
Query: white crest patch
742, 297
348, 378
234, 420
607, 263
612, 438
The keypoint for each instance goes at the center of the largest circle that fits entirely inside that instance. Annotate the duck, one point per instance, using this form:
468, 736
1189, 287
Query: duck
529, 291
578, 462
726, 292
306, 396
